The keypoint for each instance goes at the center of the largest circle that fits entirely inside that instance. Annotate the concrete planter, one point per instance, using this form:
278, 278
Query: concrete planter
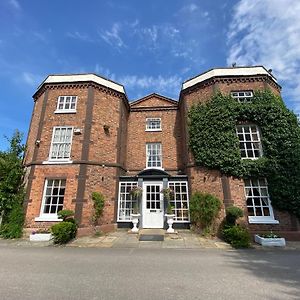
170, 221
135, 221
40, 237
269, 242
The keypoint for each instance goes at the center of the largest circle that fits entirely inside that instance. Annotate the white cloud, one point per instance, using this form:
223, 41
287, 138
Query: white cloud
268, 33
160, 84
79, 36
190, 7
15, 4
31, 79
112, 36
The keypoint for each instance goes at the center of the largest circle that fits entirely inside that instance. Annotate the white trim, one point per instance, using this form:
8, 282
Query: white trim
153, 129
65, 111
161, 156
61, 159
119, 200
44, 218
82, 78
188, 201
237, 71
262, 220
259, 219
57, 162
244, 141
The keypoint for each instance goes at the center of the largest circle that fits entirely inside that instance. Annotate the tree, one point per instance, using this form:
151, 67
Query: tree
11, 187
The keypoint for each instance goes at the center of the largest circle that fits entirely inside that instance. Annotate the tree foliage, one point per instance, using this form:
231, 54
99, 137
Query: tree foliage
11, 187
215, 145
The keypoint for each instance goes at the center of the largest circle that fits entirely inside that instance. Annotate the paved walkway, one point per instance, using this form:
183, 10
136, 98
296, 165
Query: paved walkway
123, 239
184, 239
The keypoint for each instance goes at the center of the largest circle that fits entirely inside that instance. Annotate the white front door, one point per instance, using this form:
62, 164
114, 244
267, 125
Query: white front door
153, 210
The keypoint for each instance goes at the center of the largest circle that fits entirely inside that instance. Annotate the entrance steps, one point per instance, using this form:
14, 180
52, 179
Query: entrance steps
149, 235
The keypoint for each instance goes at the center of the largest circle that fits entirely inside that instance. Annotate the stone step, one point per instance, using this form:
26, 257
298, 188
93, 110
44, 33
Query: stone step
148, 235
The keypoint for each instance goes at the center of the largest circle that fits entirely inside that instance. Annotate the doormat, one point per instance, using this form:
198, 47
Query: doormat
151, 237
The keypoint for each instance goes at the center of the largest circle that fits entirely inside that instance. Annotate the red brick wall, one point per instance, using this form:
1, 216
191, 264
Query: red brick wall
105, 148
104, 181
170, 138
32, 134
42, 172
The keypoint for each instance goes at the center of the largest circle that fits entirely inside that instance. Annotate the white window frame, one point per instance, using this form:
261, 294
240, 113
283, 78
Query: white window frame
66, 110
148, 156
65, 159
174, 201
252, 141
132, 184
259, 219
242, 96
50, 217
148, 128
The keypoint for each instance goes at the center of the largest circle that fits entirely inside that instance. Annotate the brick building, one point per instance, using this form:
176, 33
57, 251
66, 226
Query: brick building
86, 136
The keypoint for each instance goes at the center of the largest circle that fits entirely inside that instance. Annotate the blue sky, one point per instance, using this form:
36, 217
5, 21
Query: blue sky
148, 46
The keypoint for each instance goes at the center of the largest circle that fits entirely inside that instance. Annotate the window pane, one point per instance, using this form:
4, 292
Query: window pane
249, 139
126, 201
257, 198
51, 199
153, 155
67, 102
180, 200
242, 96
61, 143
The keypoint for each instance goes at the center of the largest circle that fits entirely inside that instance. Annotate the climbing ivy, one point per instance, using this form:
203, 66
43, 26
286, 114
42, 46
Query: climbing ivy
215, 145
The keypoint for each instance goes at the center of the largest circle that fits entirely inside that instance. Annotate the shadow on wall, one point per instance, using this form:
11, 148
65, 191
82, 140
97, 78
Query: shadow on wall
278, 267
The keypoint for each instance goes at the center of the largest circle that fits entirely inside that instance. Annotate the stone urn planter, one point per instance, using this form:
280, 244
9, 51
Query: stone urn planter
270, 241
135, 221
40, 237
170, 221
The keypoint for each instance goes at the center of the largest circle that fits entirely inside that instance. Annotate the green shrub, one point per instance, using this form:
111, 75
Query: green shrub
204, 209
232, 214
99, 202
63, 232
65, 214
237, 236
13, 225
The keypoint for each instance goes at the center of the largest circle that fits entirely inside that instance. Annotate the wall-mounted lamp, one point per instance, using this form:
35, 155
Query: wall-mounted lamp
37, 143
77, 131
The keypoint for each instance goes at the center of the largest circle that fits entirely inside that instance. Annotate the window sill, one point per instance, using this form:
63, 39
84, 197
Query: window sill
251, 158
47, 219
262, 221
70, 111
57, 162
155, 130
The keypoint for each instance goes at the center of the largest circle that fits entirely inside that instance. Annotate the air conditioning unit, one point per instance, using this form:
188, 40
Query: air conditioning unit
77, 131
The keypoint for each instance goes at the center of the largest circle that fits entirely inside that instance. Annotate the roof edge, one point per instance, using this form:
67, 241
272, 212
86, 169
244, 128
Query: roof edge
85, 77
227, 71
173, 101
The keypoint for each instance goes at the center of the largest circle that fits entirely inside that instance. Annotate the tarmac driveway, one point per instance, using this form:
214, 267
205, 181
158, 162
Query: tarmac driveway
138, 273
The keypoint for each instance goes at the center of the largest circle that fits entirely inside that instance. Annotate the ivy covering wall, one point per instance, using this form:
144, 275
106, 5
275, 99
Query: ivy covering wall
215, 145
